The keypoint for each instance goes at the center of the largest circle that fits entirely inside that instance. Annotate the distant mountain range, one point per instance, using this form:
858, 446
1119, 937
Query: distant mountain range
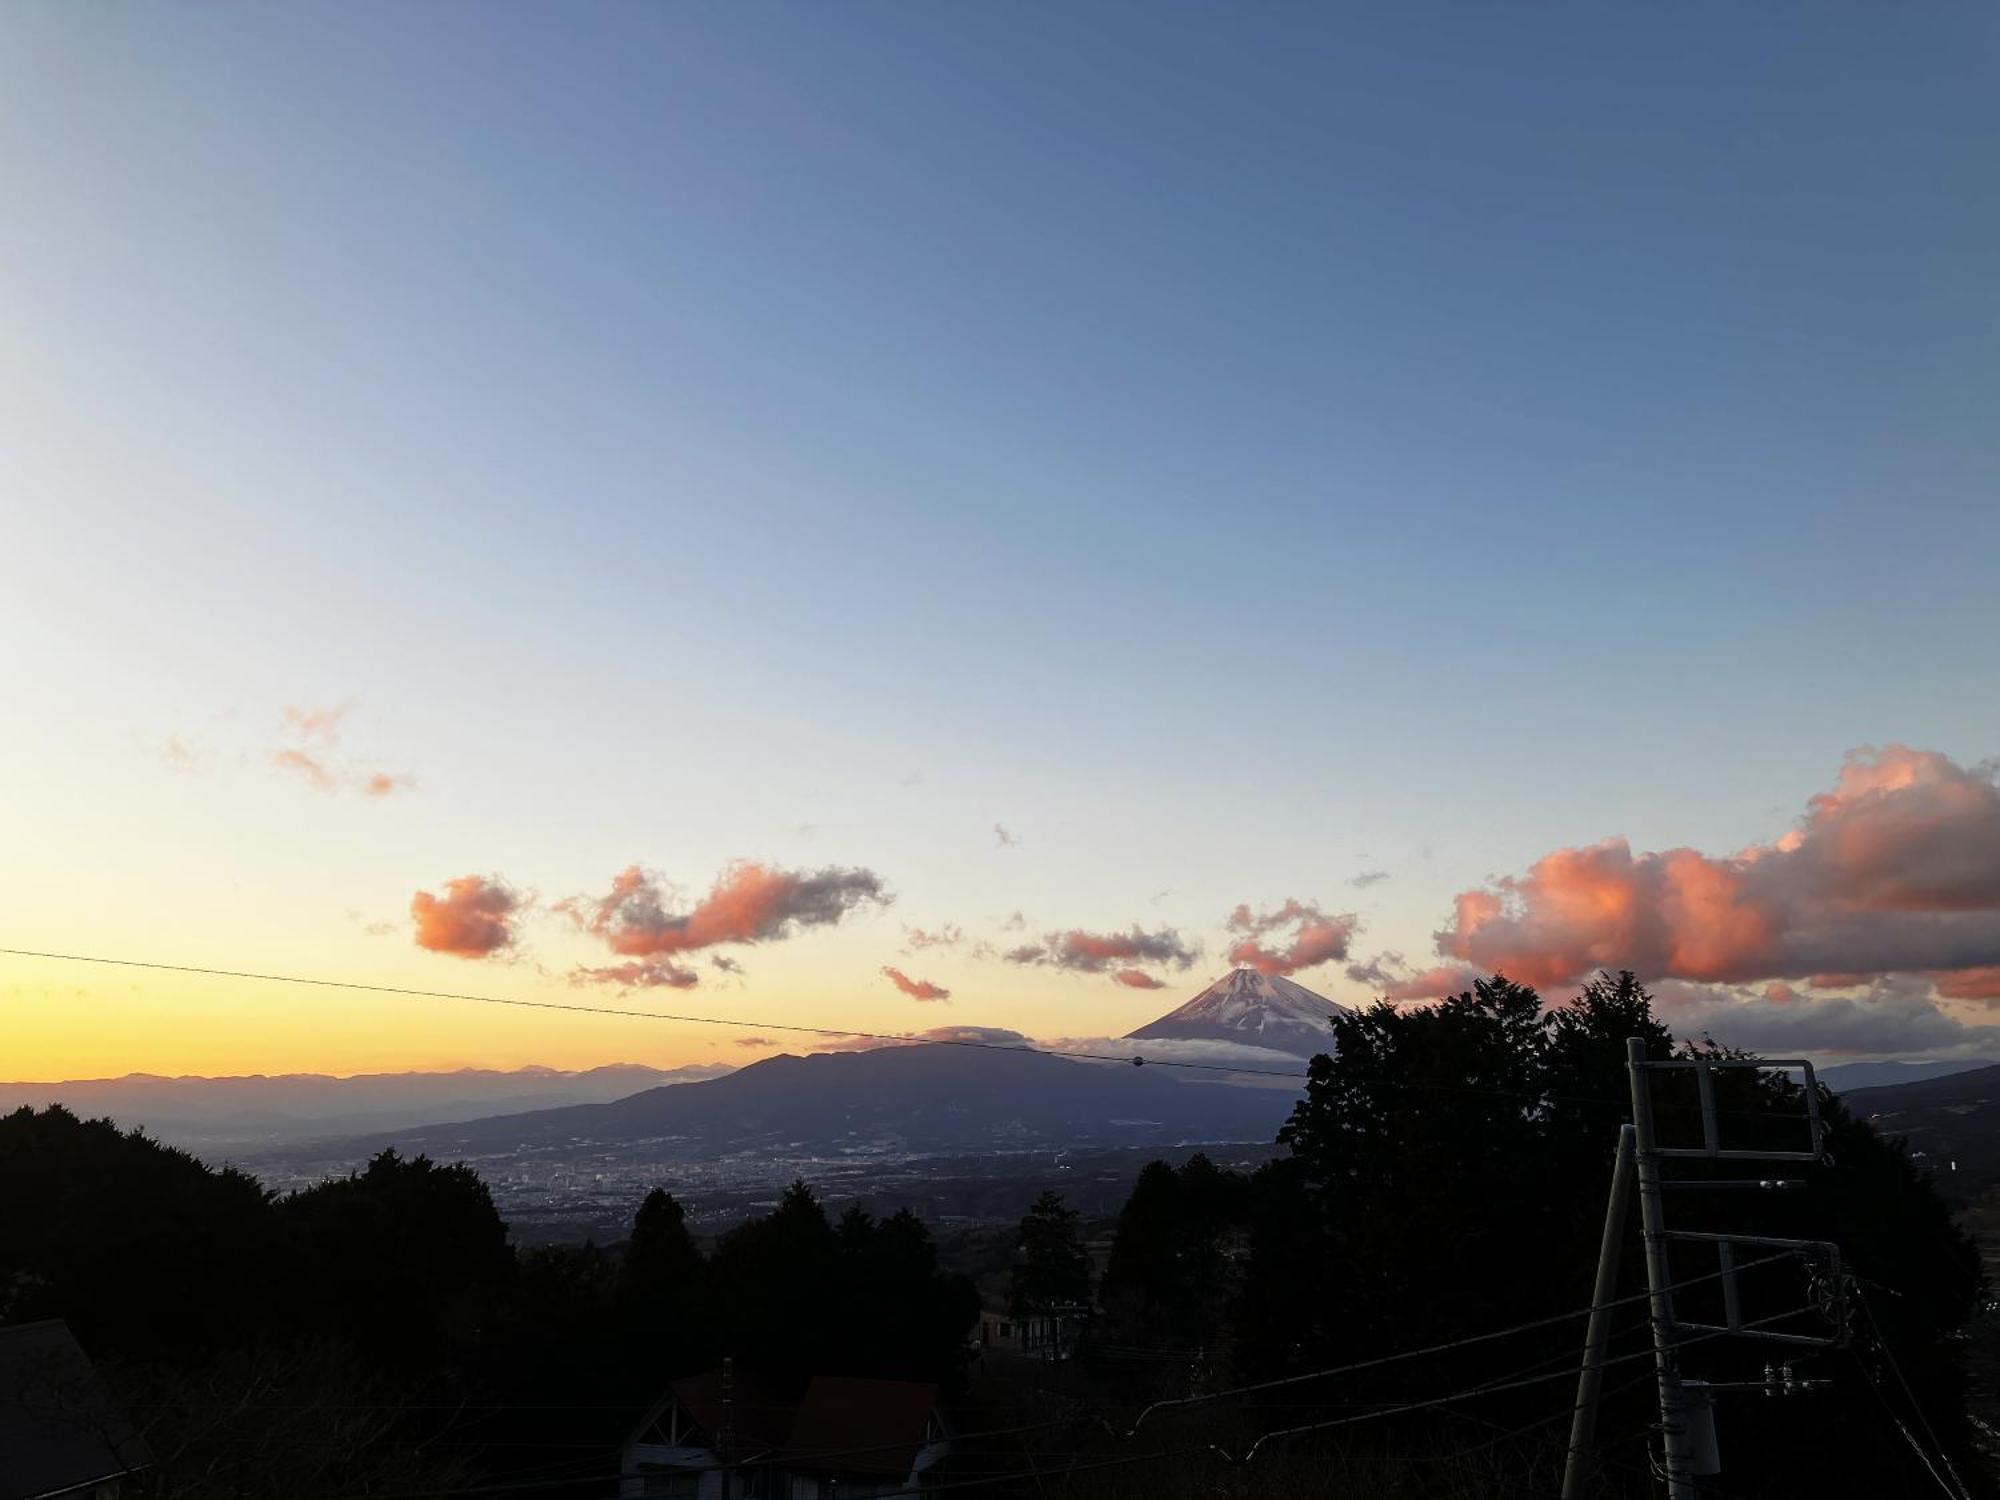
275, 1109
1867, 1075
1952, 1125
1255, 1010
905, 1099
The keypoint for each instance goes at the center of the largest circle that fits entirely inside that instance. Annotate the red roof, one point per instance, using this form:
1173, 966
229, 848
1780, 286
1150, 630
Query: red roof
756, 1422
862, 1426
842, 1426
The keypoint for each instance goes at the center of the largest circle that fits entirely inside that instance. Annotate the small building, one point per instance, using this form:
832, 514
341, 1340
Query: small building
61, 1434
714, 1437
1037, 1335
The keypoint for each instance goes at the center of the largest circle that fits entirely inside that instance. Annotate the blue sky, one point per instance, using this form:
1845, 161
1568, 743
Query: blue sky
1233, 448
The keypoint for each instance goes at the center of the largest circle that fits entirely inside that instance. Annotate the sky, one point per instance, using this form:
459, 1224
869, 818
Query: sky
692, 508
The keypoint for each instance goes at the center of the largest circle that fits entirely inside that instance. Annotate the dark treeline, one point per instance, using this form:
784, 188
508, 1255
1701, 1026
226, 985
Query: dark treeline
377, 1332
1445, 1175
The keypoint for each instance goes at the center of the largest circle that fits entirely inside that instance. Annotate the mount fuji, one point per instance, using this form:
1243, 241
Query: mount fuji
1257, 1010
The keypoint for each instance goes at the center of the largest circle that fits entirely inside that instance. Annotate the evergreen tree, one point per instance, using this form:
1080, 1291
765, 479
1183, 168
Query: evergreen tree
1052, 1268
1168, 1279
1447, 1176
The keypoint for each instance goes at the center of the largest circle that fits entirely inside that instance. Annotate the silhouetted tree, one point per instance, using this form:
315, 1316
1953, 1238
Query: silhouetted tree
1447, 1176
142, 1247
661, 1255
1052, 1268
795, 1296
402, 1256
1168, 1278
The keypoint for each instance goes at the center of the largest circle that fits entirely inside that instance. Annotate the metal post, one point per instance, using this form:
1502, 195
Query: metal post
1659, 1277
727, 1445
1597, 1333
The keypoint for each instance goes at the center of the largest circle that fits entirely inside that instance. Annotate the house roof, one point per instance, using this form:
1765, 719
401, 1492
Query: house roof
757, 1423
59, 1428
842, 1425
863, 1426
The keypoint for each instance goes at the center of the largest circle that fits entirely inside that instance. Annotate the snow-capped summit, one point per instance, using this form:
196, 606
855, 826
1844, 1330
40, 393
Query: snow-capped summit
1261, 1010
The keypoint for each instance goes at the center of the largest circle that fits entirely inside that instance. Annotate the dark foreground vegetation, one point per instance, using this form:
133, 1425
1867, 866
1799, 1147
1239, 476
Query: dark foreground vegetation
1445, 1177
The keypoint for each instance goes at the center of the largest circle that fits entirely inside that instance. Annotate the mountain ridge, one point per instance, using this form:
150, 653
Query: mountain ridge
195, 1109
916, 1099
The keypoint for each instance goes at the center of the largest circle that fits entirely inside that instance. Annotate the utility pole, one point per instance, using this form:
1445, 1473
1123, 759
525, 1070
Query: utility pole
1590, 1378
727, 1445
1659, 1277
1687, 1422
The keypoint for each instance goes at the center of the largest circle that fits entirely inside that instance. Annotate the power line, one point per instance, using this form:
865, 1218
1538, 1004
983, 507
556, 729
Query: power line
833, 1033
1395, 1358
1495, 1387
839, 1034
1955, 1487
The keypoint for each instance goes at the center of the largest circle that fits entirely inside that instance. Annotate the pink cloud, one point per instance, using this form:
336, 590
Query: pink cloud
1981, 983
640, 974
749, 903
1895, 870
473, 918
916, 989
177, 754
1431, 984
319, 726
300, 763
985, 1036
1137, 979
1094, 952
1308, 936
315, 733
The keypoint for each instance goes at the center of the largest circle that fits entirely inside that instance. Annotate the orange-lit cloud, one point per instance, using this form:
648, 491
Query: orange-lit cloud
1138, 979
984, 1036
1307, 936
316, 726
749, 903
177, 754
473, 918
1392, 979
640, 974
1897, 1014
1097, 952
1896, 870
312, 755
299, 763
916, 989
1969, 984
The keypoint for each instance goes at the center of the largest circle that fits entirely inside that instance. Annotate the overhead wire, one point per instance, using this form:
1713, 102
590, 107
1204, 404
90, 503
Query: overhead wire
1955, 1486
1497, 1386
796, 1028
1401, 1355
831, 1032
